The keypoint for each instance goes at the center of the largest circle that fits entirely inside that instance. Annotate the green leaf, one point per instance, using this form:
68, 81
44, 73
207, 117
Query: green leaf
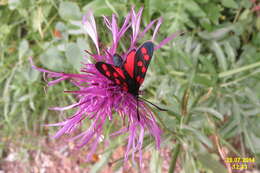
207, 63
205, 23
23, 48
213, 12
69, 11
216, 34
252, 97
202, 1
258, 23
101, 7
203, 80
230, 128
53, 59
204, 139
220, 55
74, 55
250, 139
30, 74
194, 8
230, 51
13, 4
209, 162
82, 44
245, 15
156, 162
210, 111
37, 19
255, 143
256, 39
195, 54
229, 3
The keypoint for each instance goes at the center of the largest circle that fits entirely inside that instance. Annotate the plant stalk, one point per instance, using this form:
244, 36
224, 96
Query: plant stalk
175, 154
185, 114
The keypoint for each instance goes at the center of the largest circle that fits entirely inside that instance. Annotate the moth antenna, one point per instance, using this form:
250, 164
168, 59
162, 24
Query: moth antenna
161, 109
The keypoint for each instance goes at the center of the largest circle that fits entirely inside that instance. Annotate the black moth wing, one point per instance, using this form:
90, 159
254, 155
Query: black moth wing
143, 58
113, 73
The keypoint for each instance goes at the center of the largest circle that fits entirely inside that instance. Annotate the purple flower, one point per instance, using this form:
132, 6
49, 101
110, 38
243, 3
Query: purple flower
98, 99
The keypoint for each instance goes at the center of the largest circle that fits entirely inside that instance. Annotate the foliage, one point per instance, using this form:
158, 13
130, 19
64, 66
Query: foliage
209, 77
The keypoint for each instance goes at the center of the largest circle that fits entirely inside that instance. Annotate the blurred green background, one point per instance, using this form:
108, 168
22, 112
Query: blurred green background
209, 80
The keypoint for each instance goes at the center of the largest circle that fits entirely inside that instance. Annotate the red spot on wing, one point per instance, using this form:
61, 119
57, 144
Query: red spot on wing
120, 72
143, 70
117, 81
104, 66
108, 73
140, 63
129, 64
138, 78
146, 57
144, 50
115, 74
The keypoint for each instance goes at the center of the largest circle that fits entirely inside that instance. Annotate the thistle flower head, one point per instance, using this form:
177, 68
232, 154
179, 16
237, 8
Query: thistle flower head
98, 98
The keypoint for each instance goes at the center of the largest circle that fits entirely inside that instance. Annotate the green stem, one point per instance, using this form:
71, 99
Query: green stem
186, 115
177, 73
239, 79
175, 154
237, 70
225, 73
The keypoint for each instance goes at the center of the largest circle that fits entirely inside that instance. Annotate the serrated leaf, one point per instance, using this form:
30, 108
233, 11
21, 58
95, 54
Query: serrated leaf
69, 11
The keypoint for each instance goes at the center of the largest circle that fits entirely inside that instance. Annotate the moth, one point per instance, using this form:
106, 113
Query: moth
130, 74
